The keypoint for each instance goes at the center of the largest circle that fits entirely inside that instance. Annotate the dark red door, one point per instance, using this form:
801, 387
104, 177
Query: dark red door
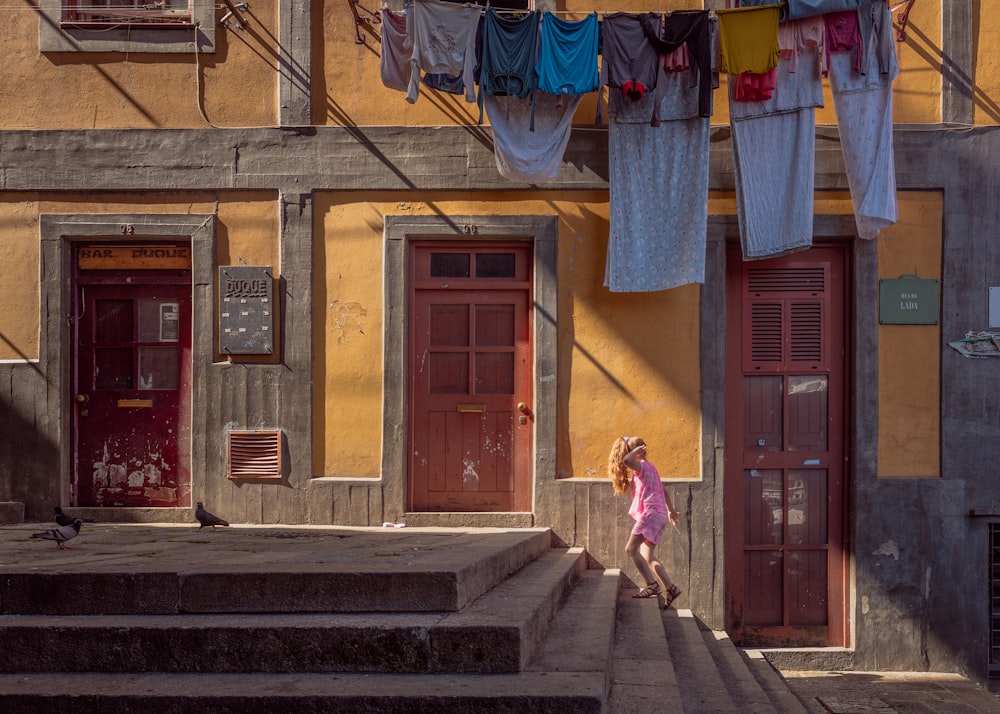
132, 417
784, 492
470, 377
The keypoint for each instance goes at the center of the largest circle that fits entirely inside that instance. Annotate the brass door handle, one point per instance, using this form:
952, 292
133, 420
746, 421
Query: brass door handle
522, 407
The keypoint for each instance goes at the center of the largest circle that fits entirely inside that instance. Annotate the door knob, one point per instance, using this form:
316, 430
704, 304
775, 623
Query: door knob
522, 407
82, 398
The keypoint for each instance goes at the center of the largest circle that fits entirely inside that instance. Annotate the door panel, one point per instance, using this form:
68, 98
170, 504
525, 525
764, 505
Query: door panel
132, 394
785, 484
470, 377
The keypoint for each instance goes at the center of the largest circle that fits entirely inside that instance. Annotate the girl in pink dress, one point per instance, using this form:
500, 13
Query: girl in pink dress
651, 509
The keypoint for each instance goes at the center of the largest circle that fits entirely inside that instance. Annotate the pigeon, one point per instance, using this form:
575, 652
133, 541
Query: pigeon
61, 518
207, 519
61, 534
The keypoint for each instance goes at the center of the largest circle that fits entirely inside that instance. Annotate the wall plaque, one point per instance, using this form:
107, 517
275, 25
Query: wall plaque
908, 300
246, 315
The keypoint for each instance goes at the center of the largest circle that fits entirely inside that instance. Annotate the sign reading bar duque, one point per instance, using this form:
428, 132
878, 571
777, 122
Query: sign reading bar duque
908, 300
133, 257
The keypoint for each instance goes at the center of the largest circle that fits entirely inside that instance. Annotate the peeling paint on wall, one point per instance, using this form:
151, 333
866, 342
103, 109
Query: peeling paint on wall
890, 547
346, 318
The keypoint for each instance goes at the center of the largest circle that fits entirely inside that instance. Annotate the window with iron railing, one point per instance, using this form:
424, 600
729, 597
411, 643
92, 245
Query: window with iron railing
133, 26
151, 13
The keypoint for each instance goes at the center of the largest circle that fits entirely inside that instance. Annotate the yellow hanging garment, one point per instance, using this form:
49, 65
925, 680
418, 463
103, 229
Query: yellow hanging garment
748, 39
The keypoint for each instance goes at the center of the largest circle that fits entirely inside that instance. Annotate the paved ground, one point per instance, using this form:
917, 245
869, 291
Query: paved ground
150, 547
886, 692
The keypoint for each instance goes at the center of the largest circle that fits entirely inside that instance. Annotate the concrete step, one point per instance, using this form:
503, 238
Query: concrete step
496, 633
771, 681
744, 687
642, 676
701, 684
534, 692
158, 570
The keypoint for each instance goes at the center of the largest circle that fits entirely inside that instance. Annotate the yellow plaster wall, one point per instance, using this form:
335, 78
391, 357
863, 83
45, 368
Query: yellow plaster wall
247, 235
628, 363
986, 90
916, 92
909, 356
94, 90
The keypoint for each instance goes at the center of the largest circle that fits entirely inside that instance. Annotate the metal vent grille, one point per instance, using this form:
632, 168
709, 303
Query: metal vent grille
807, 332
787, 280
255, 454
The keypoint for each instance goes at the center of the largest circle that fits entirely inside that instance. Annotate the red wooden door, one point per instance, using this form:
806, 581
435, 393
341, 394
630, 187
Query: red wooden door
132, 433
470, 378
784, 493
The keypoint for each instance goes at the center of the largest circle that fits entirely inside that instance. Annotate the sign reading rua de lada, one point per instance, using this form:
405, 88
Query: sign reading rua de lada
908, 300
246, 315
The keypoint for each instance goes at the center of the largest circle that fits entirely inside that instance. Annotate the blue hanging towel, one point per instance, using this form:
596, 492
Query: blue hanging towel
510, 46
567, 56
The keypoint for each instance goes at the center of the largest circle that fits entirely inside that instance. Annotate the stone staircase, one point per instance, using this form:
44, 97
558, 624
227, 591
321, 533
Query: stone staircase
502, 624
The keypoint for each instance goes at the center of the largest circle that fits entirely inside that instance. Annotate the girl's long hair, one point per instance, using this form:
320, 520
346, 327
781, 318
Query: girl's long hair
618, 472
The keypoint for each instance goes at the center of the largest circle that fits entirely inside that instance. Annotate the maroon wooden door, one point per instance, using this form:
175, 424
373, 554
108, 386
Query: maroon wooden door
470, 378
785, 489
132, 416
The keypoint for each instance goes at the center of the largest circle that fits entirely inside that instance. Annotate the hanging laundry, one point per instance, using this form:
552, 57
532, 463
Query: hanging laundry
752, 87
798, 9
658, 180
863, 103
397, 48
630, 63
690, 29
444, 39
842, 35
567, 55
526, 151
875, 27
748, 39
509, 54
774, 152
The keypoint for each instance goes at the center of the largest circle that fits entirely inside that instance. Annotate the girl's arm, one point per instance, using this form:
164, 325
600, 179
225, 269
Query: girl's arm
671, 513
634, 457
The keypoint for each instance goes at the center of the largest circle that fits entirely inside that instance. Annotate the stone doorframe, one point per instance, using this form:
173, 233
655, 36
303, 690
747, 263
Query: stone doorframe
57, 234
399, 230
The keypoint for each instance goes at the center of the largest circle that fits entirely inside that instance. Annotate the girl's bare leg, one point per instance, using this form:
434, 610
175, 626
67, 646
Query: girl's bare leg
632, 549
646, 552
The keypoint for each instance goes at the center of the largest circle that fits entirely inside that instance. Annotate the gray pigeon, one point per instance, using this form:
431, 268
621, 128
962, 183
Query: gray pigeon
61, 518
61, 534
207, 519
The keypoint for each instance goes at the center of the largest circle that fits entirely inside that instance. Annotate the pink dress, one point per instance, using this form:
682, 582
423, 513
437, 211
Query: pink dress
649, 505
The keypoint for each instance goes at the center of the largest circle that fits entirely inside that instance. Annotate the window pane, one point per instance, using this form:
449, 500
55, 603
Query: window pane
495, 265
807, 587
113, 368
764, 514
762, 402
807, 511
449, 373
495, 373
158, 368
449, 326
807, 413
113, 321
494, 325
158, 321
449, 265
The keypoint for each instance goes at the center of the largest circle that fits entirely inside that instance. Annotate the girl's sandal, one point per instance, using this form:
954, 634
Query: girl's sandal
651, 590
673, 592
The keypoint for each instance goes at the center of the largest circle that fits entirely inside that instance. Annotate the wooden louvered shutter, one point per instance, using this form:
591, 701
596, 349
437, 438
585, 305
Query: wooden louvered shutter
785, 310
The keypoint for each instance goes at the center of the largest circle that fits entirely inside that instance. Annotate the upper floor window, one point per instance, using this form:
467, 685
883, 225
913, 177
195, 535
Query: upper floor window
135, 26
147, 13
